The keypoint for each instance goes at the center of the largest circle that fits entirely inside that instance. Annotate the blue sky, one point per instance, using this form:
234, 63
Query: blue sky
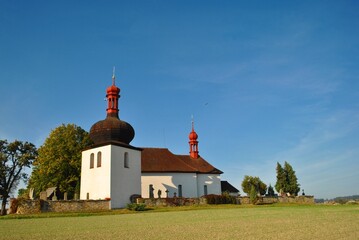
266, 81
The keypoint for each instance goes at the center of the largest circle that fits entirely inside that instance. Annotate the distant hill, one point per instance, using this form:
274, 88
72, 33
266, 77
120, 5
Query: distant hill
338, 199
346, 198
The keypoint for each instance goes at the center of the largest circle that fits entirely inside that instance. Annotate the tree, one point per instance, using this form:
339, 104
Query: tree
22, 193
281, 183
293, 187
59, 160
253, 195
270, 191
250, 181
286, 179
14, 158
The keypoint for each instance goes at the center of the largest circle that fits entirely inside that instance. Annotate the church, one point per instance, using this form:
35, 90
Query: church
113, 169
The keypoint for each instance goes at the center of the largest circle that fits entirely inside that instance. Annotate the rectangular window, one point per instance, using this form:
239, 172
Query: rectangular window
126, 161
179, 190
205, 190
87, 196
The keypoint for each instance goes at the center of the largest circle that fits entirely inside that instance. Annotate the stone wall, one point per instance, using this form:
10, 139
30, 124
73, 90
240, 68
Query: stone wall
271, 200
164, 202
156, 202
26, 206
297, 199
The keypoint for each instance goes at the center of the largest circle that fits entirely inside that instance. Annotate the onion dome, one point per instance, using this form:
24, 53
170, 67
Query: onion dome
112, 129
193, 135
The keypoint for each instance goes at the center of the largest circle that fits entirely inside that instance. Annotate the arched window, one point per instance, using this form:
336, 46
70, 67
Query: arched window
126, 163
99, 155
92, 160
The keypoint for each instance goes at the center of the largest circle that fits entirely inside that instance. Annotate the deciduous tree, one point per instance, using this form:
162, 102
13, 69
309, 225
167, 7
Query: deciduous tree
250, 181
59, 160
14, 158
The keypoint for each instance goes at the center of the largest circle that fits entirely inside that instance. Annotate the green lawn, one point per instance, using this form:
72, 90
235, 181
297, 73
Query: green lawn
220, 222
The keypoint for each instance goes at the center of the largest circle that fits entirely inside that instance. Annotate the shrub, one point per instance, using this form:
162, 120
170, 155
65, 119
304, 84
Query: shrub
136, 207
220, 199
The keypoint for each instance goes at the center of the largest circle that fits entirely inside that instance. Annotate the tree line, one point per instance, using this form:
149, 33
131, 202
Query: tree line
287, 183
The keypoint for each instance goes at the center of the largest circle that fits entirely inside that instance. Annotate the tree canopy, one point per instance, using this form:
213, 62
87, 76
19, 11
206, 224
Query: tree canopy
59, 161
286, 179
258, 185
14, 158
270, 191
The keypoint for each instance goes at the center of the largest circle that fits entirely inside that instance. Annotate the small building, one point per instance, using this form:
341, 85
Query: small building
229, 188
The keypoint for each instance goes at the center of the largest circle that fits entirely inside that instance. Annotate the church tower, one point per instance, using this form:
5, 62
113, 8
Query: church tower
193, 143
111, 167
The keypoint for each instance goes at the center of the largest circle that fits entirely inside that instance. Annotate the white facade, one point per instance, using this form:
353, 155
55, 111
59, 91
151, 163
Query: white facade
183, 184
117, 175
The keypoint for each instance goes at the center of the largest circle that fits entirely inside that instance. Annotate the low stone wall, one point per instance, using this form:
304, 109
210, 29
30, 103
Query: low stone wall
156, 202
297, 199
164, 202
75, 206
25, 206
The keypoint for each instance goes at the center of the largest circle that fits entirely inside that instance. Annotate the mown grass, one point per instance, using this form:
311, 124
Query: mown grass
202, 222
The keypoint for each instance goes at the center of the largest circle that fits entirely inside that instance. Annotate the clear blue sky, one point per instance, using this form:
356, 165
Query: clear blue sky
266, 81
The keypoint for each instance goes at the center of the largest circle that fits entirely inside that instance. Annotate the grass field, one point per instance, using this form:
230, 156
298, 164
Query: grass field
219, 222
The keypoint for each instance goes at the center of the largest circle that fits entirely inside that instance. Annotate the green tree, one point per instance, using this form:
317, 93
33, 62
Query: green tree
59, 160
253, 196
281, 183
250, 181
270, 191
293, 187
22, 193
14, 158
286, 179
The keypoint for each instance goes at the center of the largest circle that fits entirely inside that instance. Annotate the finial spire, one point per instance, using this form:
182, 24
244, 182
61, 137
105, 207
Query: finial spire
113, 75
192, 122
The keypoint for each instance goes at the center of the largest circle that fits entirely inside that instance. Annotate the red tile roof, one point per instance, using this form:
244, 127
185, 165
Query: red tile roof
162, 160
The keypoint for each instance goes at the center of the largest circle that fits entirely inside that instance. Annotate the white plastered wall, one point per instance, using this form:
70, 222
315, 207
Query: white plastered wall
170, 182
212, 181
112, 179
124, 181
95, 182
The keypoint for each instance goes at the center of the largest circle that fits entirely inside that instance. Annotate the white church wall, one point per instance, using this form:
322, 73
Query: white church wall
170, 182
125, 181
95, 182
212, 183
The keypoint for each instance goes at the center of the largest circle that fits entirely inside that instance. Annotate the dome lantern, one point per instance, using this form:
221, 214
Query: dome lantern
112, 129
